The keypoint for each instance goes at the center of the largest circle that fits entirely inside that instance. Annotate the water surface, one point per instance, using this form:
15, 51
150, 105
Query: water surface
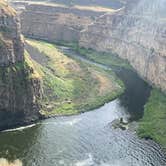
88, 139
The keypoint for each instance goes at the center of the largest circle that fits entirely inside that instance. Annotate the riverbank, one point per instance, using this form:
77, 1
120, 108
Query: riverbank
83, 139
153, 123
69, 85
108, 59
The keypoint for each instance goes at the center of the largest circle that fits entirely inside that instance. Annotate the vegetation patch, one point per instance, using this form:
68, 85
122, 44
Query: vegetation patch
109, 59
153, 123
69, 85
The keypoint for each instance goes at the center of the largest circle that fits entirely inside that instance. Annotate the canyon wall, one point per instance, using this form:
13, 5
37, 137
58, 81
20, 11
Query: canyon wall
19, 89
138, 35
56, 22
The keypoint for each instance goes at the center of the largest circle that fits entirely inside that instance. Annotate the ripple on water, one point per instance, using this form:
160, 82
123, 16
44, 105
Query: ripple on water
83, 140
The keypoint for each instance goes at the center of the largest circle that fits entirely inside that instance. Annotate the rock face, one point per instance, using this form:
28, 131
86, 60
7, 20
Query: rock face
19, 90
10, 39
138, 35
56, 22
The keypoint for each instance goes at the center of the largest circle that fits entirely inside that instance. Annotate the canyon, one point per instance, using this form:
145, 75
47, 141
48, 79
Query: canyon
37, 80
55, 22
73, 59
123, 31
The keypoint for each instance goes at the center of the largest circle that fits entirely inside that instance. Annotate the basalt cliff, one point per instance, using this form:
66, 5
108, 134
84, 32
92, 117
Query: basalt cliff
19, 86
56, 22
136, 34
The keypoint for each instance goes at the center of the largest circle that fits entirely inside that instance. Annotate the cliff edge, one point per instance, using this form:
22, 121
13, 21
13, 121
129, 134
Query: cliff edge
19, 85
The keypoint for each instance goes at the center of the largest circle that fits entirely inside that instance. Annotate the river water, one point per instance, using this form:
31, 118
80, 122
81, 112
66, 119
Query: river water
88, 139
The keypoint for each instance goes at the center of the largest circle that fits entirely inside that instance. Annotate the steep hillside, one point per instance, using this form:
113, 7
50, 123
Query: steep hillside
134, 35
19, 84
69, 85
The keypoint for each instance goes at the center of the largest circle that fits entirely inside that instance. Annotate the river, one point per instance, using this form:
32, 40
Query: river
88, 139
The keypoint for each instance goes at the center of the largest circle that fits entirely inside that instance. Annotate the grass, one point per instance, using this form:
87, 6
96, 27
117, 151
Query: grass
70, 86
153, 123
109, 59
28, 63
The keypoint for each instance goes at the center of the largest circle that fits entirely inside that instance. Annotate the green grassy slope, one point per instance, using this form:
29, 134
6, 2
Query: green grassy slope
70, 86
153, 123
108, 59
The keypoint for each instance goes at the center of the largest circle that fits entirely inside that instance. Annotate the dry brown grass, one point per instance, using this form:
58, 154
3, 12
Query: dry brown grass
58, 61
105, 83
69, 85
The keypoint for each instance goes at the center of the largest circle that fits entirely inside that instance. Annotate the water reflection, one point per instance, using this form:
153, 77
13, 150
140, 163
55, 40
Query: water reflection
88, 139
82, 140
18, 143
136, 93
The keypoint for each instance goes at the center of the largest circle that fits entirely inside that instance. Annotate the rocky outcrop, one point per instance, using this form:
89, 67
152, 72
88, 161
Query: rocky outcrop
10, 38
139, 38
19, 89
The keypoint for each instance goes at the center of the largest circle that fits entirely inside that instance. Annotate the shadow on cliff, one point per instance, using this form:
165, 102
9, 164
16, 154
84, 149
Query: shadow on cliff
18, 104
